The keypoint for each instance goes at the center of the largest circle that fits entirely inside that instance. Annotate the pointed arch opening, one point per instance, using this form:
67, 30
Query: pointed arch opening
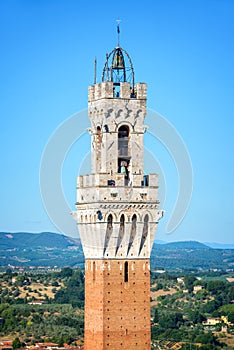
123, 138
144, 232
109, 222
134, 219
122, 220
123, 150
109, 230
121, 233
132, 233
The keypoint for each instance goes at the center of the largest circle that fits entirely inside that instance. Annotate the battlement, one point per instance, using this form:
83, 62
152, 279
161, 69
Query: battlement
107, 89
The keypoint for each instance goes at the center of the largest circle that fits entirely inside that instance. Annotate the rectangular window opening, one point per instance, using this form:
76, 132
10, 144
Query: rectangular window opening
126, 271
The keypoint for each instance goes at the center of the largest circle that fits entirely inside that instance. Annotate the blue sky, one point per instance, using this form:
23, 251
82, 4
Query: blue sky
182, 49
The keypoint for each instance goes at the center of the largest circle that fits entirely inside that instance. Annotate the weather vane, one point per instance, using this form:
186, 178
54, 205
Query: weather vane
118, 30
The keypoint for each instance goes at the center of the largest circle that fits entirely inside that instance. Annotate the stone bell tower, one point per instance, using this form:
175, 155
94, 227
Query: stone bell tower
117, 212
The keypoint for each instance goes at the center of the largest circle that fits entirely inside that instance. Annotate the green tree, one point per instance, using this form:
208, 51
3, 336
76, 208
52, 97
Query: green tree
214, 286
209, 307
206, 338
156, 316
159, 286
171, 320
16, 293
20, 280
54, 284
16, 344
196, 317
66, 272
73, 293
230, 293
189, 282
9, 272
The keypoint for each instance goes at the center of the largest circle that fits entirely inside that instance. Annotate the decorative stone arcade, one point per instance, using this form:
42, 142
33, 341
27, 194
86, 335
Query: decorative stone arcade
117, 213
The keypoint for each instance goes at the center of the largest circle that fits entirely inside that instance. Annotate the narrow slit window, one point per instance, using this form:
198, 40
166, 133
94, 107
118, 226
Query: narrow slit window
126, 271
98, 147
94, 270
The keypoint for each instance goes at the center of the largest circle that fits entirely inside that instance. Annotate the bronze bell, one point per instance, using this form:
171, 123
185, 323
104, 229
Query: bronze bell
118, 62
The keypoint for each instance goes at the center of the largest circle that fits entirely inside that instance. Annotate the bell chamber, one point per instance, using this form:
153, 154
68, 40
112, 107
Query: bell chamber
118, 67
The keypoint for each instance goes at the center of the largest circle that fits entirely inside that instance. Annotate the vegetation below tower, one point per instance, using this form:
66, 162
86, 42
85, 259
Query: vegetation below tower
188, 311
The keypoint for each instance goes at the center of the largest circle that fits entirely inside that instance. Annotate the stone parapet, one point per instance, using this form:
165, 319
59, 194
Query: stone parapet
107, 90
141, 90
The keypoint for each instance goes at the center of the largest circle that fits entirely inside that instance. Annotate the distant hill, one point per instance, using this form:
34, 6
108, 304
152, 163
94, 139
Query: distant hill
53, 249
39, 249
191, 255
220, 245
182, 245
35, 240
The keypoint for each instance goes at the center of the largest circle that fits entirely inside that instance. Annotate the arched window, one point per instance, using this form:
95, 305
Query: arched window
123, 136
145, 228
126, 271
109, 222
122, 221
133, 232
145, 232
109, 229
121, 233
134, 220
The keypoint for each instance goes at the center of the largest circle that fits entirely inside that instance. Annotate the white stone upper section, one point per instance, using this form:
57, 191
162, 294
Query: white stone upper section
107, 114
117, 204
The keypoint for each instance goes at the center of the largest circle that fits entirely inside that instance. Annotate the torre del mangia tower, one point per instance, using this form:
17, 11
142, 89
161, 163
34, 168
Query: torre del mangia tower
117, 212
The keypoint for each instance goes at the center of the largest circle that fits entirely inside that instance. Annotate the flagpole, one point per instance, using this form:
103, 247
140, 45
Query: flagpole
95, 70
118, 30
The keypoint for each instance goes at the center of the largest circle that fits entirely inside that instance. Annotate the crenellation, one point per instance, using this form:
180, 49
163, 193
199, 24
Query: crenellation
141, 90
125, 90
106, 90
90, 93
153, 180
97, 91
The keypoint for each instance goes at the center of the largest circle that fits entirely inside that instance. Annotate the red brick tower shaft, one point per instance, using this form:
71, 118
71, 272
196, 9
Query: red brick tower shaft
117, 304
